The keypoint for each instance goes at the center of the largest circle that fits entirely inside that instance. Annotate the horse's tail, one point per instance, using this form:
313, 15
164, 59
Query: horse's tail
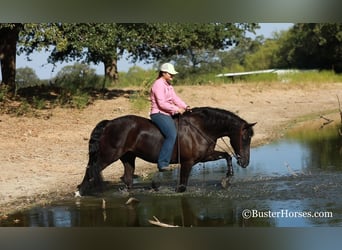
93, 177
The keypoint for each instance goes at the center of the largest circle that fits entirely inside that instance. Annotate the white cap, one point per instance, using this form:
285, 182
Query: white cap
169, 68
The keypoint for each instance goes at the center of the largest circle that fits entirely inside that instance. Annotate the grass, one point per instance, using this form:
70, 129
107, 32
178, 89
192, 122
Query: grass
38, 103
139, 101
80, 100
313, 131
301, 77
313, 77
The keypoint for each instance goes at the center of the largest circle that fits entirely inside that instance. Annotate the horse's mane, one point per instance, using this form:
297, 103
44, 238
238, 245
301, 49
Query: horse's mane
215, 115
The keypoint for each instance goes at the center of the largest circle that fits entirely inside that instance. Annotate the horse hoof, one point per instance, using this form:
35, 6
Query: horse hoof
181, 189
225, 182
155, 185
156, 181
124, 191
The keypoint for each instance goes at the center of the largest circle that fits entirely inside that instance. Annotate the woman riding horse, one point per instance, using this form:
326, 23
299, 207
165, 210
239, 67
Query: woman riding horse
131, 136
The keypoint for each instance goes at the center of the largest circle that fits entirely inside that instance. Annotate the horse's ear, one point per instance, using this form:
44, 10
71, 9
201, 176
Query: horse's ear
249, 125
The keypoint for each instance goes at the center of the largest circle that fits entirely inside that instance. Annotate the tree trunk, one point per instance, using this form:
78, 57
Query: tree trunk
111, 70
8, 49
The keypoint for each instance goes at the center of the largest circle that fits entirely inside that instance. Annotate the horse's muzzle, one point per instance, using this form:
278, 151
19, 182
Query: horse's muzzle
242, 161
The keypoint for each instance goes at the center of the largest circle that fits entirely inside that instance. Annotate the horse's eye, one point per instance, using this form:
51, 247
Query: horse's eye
246, 136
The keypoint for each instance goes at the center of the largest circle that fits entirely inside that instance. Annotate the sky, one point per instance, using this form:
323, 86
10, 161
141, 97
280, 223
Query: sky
45, 70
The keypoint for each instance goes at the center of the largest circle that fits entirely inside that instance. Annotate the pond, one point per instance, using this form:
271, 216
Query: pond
293, 182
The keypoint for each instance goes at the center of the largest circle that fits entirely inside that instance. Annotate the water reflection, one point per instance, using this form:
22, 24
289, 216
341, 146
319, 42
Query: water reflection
184, 211
280, 158
303, 151
300, 173
58, 216
325, 147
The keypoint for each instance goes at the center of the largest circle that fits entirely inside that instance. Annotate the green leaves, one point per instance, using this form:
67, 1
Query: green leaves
315, 45
107, 42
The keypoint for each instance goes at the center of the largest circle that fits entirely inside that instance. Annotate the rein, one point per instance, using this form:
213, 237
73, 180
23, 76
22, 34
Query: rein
178, 143
230, 151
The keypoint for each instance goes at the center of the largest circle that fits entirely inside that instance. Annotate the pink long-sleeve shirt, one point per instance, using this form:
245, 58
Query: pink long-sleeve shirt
164, 99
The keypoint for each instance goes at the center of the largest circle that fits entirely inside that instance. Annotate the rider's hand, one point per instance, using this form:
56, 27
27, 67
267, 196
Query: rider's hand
181, 111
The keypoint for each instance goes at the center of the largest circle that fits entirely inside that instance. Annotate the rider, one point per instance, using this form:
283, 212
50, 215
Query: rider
164, 104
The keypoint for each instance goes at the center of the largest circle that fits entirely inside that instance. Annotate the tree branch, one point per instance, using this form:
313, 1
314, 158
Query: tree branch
156, 222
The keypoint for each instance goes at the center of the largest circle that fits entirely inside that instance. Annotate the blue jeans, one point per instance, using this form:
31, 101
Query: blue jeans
168, 128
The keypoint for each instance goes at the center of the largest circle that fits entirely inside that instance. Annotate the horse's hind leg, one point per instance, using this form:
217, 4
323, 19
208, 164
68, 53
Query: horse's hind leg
128, 161
184, 176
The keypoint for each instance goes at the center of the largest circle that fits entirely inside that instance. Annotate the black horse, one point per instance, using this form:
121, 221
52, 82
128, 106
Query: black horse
131, 136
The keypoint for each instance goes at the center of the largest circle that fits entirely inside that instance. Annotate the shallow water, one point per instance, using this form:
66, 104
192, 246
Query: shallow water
294, 182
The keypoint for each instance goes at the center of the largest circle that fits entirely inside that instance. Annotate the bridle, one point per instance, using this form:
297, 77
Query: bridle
229, 150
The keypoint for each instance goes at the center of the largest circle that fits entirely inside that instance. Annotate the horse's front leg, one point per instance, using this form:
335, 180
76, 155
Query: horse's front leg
217, 155
225, 182
230, 170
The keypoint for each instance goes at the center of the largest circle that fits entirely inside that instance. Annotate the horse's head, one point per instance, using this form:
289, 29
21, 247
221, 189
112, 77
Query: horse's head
92, 181
241, 142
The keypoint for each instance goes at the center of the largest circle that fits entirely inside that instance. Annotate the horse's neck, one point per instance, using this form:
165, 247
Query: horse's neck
224, 129
213, 129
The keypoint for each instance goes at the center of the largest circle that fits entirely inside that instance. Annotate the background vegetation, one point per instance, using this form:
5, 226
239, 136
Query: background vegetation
199, 52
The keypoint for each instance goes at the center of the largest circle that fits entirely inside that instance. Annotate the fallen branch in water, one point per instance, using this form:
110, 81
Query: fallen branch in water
131, 201
327, 121
156, 222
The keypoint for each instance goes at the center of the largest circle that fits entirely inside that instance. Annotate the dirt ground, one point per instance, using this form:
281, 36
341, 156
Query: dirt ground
44, 158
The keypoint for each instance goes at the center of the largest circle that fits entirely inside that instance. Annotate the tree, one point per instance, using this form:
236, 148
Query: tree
106, 42
194, 43
264, 57
9, 34
92, 42
26, 77
28, 37
75, 77
235, 58
314, 45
